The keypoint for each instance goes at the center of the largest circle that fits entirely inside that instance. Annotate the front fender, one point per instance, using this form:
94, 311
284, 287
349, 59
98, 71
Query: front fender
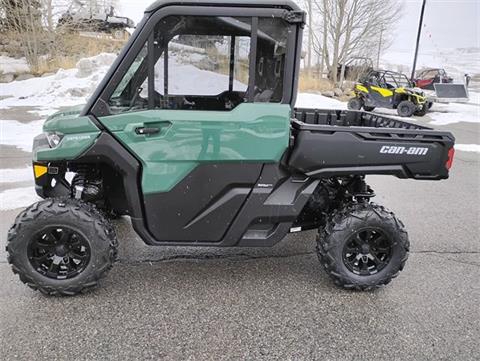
78, 134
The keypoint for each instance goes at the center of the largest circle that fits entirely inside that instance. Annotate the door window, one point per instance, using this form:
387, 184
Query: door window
203, 62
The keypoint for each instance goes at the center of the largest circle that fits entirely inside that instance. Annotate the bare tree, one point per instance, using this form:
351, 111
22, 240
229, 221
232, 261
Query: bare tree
47, 12
24, 17
349, 28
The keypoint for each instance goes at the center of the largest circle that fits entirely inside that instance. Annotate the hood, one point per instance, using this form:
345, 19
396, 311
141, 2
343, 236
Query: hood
415, 90
70, 112
68, 121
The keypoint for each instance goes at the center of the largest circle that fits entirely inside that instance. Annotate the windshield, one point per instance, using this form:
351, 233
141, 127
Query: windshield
130, 73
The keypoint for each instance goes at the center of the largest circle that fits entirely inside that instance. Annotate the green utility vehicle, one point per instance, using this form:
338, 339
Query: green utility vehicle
193, 134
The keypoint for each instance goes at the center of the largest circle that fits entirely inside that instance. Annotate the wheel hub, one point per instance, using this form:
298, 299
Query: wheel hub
59, 252
365, 248
367, 251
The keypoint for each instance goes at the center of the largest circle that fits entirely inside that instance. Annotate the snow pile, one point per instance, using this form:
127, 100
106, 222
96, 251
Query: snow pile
65, 88
88, 66
10, 65
309, 100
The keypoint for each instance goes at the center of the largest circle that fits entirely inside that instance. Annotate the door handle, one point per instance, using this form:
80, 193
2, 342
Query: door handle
147, 130
150, 128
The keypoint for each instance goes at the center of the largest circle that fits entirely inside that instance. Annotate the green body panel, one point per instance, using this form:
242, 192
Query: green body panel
79, 133
257, 132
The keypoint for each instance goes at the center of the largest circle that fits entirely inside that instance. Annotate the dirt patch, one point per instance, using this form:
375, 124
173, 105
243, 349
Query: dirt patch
20, 114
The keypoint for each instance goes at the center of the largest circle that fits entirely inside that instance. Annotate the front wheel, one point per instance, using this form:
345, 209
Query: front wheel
368, 109
423, 111
406, 108
363, 246
61, 246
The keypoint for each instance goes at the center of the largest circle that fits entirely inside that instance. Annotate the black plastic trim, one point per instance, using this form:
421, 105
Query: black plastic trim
108, 150
252, 69
233, 4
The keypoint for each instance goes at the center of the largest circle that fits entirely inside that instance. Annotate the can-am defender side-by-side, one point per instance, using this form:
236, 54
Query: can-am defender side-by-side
193, 135
388, 89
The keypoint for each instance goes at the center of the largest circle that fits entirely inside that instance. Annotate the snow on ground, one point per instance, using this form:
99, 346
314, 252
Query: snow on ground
12, 65
19, 134
16, 175
309, 100
468, 147
445, 114
18, 198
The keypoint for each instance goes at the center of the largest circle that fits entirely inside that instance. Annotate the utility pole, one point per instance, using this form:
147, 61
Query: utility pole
419, 33
310, 35
379, 48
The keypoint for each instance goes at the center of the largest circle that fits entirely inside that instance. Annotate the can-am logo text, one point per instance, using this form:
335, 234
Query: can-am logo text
390, 149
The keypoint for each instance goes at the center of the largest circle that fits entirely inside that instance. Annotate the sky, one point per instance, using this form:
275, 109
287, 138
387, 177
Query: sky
448, 23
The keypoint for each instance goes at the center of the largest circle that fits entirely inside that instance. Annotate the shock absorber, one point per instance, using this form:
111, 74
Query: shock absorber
361, 190
87, 184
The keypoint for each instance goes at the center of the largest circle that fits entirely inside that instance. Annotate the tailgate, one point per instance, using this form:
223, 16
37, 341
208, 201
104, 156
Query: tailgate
391, 147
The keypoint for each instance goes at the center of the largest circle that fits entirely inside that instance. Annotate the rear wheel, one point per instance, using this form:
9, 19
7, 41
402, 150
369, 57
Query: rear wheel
355, 104
363, 247
406, 108
61, 247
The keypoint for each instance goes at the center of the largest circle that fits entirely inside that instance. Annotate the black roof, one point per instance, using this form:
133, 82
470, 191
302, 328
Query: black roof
284, 4
381, 71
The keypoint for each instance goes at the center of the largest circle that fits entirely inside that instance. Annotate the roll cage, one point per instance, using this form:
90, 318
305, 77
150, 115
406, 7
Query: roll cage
387, 79
98, 104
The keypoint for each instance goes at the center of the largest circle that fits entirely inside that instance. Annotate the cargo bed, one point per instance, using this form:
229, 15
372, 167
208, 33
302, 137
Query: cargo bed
344, 142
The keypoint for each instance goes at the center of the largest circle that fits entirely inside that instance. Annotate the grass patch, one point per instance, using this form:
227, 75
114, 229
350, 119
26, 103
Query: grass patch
308, 82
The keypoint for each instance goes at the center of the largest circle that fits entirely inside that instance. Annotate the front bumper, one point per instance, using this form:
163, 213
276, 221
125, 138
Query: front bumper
49, 177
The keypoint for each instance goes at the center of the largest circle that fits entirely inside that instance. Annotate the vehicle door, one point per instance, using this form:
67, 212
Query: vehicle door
202, 101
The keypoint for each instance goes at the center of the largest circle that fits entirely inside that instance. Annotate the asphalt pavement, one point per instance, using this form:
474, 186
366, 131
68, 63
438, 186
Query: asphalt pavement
274, 304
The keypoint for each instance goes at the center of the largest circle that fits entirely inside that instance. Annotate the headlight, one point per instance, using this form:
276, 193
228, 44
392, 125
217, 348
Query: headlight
54, 139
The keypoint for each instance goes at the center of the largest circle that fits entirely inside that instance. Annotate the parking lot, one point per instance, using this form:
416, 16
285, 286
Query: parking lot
276, 303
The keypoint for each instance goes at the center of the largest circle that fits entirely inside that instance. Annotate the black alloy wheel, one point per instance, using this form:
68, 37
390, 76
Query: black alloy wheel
59, 253
367, 252
362, 246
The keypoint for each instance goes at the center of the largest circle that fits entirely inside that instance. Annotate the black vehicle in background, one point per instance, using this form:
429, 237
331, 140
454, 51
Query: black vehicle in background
91, 16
